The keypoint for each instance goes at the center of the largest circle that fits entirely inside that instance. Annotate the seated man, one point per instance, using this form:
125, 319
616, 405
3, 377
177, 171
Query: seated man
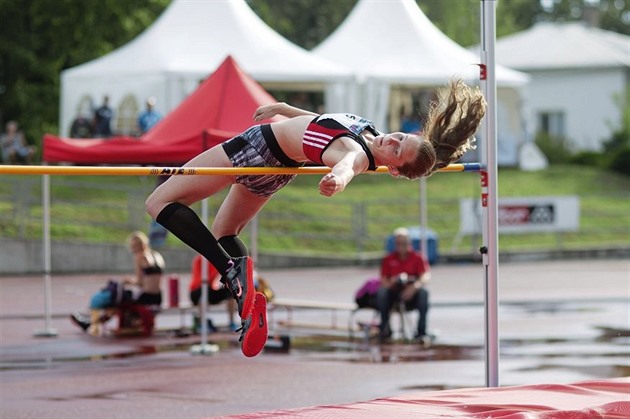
216, 291
404, 272
15, 149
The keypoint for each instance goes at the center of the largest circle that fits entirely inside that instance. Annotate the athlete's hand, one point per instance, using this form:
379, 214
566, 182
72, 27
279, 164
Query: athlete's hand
331, 184
267, 111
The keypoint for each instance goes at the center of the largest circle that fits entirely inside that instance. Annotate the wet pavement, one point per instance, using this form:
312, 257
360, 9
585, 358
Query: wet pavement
559, 322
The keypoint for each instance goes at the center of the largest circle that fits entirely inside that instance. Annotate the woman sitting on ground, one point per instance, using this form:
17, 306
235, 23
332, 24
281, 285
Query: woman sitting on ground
143, 288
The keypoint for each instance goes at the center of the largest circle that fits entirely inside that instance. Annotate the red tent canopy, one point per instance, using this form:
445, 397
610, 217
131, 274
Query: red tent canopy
220, 108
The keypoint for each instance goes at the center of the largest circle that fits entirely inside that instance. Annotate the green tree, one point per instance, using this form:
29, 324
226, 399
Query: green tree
304, 22
516, 15
459, 20
617, 147
39, 38
612, 15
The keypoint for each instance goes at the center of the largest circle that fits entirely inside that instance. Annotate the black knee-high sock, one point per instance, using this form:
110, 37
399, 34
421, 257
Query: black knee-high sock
184, 223
233, 246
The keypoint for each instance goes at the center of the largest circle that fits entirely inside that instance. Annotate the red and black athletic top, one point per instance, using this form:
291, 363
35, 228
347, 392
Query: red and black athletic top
326, 128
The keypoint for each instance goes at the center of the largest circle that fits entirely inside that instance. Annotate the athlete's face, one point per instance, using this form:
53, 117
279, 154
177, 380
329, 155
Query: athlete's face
395, 149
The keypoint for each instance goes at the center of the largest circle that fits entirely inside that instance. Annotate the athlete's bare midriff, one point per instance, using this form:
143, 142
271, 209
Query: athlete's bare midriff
289, 134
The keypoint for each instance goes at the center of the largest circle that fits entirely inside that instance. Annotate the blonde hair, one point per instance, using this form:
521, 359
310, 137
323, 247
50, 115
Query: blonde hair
449, 129
139, 236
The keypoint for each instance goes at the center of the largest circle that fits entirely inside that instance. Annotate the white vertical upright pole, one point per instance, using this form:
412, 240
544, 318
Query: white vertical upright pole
489, 200
424, 219
48, 331
253, 240
204, 348
203, 302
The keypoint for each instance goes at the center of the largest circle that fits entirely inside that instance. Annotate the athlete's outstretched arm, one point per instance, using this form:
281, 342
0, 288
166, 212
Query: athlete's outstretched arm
350, 165
279, 108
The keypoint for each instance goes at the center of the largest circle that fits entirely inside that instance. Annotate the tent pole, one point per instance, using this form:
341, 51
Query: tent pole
490, 250
48, 331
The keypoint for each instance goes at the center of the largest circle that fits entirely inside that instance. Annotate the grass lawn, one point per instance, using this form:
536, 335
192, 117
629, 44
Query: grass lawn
106, 208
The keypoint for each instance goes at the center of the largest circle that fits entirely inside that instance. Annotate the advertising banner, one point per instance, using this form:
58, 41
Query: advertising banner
524, 215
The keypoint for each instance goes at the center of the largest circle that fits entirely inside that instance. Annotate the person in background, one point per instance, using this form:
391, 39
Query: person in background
81, 127
144, 287
404, 276
15, 149
409, 122
148, 270
149, 117
103, 119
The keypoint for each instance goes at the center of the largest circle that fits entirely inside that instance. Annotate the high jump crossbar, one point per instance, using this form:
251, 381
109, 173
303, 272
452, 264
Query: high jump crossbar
169, 171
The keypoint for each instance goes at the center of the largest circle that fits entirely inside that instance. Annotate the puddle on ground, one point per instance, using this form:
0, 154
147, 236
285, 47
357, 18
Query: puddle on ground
418, 353
612, 333
340, 349
606, 350
138, 350
145, 393
427, 388
591, 370
552, 307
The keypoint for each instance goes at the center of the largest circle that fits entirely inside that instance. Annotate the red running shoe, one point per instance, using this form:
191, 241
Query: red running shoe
239, 280
254, 331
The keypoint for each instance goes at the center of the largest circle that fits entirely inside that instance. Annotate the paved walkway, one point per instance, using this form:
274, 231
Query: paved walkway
560, 322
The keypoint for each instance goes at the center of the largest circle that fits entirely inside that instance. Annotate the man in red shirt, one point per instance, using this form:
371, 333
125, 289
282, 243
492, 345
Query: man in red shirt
404, 272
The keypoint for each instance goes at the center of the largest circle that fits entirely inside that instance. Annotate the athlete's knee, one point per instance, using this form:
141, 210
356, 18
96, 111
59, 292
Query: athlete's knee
222, 227
154, 205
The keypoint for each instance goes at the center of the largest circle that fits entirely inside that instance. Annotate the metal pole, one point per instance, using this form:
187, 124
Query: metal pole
204, 348
253, 240
203, 303
424, 223
48, 331
489, 200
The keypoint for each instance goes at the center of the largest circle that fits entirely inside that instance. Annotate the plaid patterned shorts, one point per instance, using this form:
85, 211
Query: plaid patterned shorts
252, 149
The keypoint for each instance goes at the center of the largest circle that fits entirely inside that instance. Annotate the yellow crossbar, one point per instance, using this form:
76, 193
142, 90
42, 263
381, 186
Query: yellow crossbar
158, 171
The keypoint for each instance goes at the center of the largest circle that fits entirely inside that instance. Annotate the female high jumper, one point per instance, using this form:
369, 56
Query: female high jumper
346, 143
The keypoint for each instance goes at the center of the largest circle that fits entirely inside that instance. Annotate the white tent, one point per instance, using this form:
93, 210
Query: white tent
578, 73
187, 43
392, 43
